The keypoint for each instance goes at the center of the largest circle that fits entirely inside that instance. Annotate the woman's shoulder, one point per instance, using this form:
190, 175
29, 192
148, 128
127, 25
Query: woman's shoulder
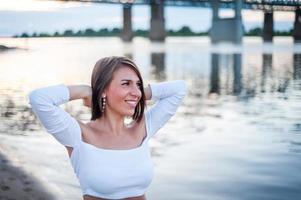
137, 124
139, 127
85, 128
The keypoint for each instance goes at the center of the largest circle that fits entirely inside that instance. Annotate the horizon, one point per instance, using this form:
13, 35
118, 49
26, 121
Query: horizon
50, 17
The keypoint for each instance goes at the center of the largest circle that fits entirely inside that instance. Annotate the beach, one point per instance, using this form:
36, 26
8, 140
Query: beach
16, 184
35, 166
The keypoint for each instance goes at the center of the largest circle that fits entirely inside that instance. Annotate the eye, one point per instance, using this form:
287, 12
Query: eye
125, 83
139, 84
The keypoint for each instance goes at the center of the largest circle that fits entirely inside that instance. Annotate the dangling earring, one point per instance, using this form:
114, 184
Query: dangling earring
103, 104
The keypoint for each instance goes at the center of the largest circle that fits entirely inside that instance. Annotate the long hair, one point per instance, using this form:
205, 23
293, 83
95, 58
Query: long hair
101, 78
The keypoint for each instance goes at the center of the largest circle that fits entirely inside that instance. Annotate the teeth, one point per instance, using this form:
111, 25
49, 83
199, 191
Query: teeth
131, 102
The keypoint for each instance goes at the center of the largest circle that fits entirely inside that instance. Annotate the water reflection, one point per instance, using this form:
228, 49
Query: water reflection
227, 61
16, 119
237, 82
129, 55
158, 65
214, 75
297, 66
227, 77
267, 60
19, 119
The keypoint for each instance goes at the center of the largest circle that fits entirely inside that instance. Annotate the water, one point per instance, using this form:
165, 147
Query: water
236, 136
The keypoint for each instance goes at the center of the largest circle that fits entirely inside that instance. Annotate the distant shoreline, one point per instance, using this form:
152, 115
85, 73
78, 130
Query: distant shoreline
185, 31
5, 48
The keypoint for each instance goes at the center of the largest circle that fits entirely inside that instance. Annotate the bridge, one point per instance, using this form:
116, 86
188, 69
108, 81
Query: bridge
232, 25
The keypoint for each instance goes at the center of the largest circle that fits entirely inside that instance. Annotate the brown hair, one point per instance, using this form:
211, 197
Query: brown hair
101, 78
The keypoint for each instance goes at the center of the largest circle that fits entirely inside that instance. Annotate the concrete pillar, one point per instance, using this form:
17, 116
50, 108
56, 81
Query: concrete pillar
237, 85
297, 26
226, 29
238, 22
214, 76
215, 7
238, 7
215, 18
127, 32
157, 26
267, 32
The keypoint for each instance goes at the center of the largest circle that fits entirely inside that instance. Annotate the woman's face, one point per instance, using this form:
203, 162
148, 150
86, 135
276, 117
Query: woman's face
123, 93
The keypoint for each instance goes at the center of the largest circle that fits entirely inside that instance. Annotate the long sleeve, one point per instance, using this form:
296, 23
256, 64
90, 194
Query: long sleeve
45, 104
169, 96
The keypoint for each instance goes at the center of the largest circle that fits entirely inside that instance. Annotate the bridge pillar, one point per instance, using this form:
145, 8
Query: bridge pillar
233, 26
297, 26
157, 26
238, 22
215, 7
127, 32
267, 32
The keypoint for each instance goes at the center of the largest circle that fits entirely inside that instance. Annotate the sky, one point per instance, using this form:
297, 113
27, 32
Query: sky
18, 16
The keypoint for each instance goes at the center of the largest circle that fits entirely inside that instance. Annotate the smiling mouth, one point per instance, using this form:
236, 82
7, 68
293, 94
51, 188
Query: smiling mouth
132, 103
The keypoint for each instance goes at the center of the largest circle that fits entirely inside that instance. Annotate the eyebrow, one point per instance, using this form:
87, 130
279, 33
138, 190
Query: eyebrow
129, 80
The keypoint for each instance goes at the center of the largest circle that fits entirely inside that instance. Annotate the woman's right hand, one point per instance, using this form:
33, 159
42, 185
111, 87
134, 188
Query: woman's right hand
87, 101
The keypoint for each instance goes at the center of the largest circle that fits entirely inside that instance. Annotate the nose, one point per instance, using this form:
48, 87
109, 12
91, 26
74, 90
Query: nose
135, 91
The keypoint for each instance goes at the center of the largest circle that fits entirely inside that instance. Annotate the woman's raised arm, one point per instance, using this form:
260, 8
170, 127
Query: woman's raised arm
45, 104
168, 97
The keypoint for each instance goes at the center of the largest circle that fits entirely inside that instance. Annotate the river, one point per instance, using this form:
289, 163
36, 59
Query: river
236, 136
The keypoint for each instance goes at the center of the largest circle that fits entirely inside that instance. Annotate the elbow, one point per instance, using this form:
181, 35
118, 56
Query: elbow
34, 97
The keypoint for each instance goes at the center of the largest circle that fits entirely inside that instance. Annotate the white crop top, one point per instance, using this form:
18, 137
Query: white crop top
107, 173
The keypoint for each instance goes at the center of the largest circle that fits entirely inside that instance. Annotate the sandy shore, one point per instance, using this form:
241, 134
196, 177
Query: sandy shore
45, 164
15, 184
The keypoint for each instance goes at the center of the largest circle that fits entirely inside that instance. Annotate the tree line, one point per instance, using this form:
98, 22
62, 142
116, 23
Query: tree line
105, 32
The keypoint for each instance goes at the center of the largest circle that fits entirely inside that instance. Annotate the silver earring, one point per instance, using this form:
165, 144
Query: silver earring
103, 104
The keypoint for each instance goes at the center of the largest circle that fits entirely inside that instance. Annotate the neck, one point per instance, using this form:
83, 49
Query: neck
113, 122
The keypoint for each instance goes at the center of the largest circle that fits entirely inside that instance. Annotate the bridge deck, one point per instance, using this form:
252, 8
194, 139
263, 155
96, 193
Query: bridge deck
279, 5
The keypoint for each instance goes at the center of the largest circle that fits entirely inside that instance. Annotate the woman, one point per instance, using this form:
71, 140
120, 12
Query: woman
110, 158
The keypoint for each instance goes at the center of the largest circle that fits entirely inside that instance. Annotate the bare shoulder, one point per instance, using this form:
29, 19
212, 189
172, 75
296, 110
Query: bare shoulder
139, 127
85, 128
